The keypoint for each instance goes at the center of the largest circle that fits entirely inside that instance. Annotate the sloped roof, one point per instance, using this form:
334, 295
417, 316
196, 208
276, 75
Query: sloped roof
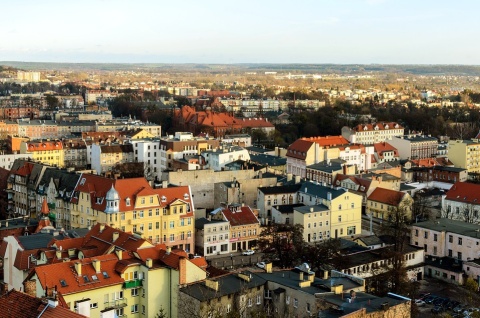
464, 192
382, 147
380, 125
387, 196
241, 215
299, 148
328, 141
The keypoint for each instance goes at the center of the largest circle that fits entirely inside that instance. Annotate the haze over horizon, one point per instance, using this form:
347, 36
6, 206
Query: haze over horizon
305, 31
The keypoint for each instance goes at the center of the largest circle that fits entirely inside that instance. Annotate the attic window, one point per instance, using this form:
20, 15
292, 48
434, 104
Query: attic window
63, 283
185, 196
105, 275
94, 277
99, 200
82, 182
86, 279
164, 198
127, 201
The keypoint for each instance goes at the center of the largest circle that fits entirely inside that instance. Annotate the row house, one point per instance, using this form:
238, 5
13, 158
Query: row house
307, 151
75, 153
387, 204
20, 111
244, 225
123, 124
48, 152
326, 171
212, 237
66, 128
462, 202
164, 215
344, 207
7, 159
415, 146
38, 129
385, 152
367, 134
105, 156
439, 174
8, 128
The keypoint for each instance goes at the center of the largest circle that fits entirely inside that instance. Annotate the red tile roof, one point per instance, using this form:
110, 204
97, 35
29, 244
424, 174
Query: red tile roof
328, 141
464, 192
382, 147
15, 304
52, 275
23, 261
387, 196
241, 215
44, 146
299, 148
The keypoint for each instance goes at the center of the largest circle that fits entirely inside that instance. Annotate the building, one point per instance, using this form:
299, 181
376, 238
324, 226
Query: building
315, 219
37, 129
28, 76
7, 159
344, 207
75, 153
242, 140
268, 197
465, 154
415, 146
462, 202
389, 204
244, 225
47, 152
283, 214
308, 151
385, 152
105, 157
212, 237
367, 134
216, 159
326, 171
164, 215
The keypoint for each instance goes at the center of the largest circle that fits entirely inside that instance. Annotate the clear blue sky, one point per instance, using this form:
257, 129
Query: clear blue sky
250, 31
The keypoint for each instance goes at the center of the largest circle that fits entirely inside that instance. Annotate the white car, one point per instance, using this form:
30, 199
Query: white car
419, 302
261, 264
248, 252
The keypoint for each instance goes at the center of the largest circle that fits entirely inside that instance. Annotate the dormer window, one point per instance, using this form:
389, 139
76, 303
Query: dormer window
185, 196
127, 201
99, 200
164, 198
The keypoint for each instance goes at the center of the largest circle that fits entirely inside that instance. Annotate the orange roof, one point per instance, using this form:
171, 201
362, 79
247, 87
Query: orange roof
15, 304
64, 276
44, 145
387, 196
200, 262
464, 192
380, 126
382, 147
239, 215
299, 149
328, 141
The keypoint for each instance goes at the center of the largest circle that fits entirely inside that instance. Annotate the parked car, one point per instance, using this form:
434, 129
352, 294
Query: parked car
423, 296
429, 299
437, 309
419, 302
248, 252
261, 264
468, 312
439, 301
452, 304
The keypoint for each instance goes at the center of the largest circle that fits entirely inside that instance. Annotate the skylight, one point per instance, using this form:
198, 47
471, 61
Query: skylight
105, 275
63, 283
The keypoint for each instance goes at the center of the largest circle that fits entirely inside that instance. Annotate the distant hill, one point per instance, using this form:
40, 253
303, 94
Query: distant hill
470, 70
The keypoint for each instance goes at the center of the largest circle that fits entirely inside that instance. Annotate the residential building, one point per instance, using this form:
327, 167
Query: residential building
283, 214
164, 215
212, 237
326, 171
38, 129
105, 157
344, 207
216, 159
307, 151
462, 202
415, 146
242, 140
7, 159
148, 152
316, 221
244, 225
75, 153
465, 154
367, 134
47, 152
389, 204
384, 151
267, 197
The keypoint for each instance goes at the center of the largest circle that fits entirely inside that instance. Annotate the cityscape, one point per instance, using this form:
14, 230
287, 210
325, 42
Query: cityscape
285, 168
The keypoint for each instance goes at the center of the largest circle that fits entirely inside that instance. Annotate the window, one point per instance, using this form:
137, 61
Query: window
134, 309
425, 235
450, 253
172, 237
143, 201
459, 255
250, 302
172, 224
134, 215
459, 241
308, 307
259, 299
295, 302
143, 309
351, 230
435, 237
425, 247
450, 238
287, 300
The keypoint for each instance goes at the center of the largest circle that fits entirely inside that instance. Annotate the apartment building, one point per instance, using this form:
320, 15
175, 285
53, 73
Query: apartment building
462, 202
367, 134
344, 207
49, 152
216, 159
315, 219
388, 204
75, 153
415, 146
267, 197
164, 215
105, 156
212, 237
465, 154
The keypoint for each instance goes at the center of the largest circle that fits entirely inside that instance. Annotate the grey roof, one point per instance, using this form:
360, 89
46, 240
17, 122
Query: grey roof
258, 149
17, 223
280, 189
447, 263
201, 222
370, 240
311, 208
227, 285
291, 278
372, 255
406, 187
328, 166
34, 241
419, 138
287, 208
272, 161
64, 180
452, 226
320, 191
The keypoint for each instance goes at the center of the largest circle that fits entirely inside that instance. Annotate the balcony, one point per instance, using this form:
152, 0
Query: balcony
133, 284
119, 303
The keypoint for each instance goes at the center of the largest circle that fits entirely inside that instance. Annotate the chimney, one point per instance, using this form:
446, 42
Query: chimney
289, 177
325, 274
119, 254
102, 227
165, 184
297, 179
213, 284
58, 254
169, 250
149, 262
96, 265
115, 236
337, 289
244, 277
182, 269
78, 268
6, 223
30, 287
301, 276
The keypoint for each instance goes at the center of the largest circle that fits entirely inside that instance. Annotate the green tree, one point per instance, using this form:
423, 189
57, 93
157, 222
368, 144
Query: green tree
52, 102
286, 242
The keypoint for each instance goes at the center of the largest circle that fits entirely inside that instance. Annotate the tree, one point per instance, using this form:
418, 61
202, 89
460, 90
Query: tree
52, 102
286, 242
324, 255
161, 313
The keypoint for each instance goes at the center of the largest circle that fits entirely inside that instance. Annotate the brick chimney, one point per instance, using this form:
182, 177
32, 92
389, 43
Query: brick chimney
182, 269
30, 287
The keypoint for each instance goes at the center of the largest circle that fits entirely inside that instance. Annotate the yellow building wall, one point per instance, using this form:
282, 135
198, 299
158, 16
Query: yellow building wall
347, 216
50, 157
143, 134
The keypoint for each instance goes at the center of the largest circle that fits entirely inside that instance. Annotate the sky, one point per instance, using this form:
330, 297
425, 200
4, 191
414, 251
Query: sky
246, 31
